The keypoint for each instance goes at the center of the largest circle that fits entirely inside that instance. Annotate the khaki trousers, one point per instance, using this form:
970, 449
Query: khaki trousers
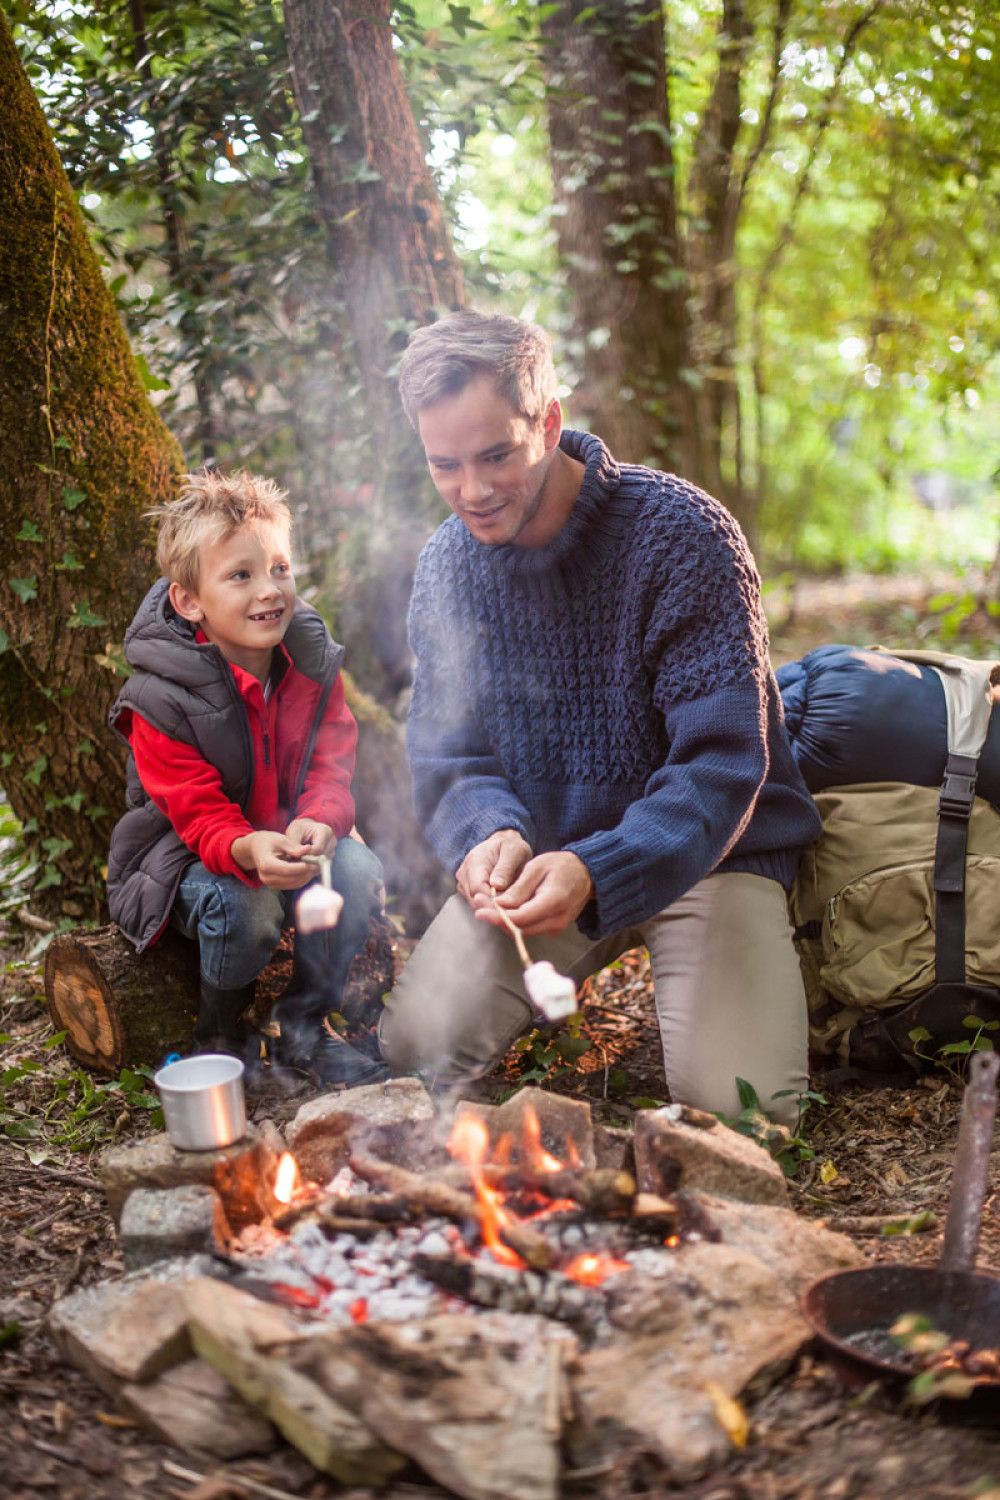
729, 996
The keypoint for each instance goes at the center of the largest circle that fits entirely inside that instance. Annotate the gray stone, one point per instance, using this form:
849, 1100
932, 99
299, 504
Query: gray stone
194, 1409
160, 1223
796, 1248
566, 1127
477, 1401
236, 1173
672, 1154
122, 1331
398, 1112
614, 1147
714, 1320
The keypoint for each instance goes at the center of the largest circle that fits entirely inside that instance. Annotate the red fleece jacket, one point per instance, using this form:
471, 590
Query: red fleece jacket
188, 789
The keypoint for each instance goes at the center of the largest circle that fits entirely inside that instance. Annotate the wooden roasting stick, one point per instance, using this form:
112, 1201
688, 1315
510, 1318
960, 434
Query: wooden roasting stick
450, 1203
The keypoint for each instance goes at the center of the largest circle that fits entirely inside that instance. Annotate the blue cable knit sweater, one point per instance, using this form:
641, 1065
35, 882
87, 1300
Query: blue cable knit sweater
608, 693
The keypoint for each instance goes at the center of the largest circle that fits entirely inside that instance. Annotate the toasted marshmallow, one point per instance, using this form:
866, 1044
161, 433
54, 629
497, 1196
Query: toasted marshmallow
317, 908
550, 992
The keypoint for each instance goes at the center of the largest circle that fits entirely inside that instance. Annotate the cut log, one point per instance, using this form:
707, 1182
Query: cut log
119, 1009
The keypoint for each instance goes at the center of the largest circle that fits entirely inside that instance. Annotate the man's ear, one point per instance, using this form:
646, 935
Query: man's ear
185, 604
552, 424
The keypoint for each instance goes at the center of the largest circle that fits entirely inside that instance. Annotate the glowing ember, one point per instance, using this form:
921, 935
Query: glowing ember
672, 1241
287, 1177
592, 1269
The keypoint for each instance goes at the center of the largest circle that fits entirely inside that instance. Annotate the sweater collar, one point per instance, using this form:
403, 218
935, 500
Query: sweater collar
591, 527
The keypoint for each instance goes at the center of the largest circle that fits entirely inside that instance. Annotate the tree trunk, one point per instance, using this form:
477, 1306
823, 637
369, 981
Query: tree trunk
84, 456
609, 131
392, 253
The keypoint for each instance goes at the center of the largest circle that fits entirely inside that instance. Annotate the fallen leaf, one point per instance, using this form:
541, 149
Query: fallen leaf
729, 1414
828, 1172
112, 1419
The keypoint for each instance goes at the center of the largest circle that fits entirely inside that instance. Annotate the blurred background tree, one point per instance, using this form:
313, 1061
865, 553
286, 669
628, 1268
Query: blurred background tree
761, 232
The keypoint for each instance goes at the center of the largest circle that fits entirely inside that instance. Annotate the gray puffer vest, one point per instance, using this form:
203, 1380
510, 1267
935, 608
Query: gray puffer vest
186, 689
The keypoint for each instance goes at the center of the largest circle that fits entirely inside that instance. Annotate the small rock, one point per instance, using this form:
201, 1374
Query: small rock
160, 1223
236, 1172
194, 1409
122, 1331
671, 1154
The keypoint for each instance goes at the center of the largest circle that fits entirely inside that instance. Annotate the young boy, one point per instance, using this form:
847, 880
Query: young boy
242, 751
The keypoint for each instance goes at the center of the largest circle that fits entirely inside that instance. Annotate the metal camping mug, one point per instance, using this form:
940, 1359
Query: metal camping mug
203, 1103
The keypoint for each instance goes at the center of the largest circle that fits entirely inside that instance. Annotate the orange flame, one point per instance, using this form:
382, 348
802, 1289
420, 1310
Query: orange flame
286, 1178
532, 1149
469, 1142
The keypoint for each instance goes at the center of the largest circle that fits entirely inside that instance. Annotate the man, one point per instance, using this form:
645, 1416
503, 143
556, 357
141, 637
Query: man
595, 737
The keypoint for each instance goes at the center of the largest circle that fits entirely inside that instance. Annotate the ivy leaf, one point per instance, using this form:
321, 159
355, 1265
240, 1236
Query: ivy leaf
72, 497
69, 564
4, 641
83, 615
25, 588
85, 747
29, 532
150, 381
62, 442
38, 768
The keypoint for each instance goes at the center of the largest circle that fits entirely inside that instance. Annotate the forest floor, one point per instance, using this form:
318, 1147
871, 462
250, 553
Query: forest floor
867, 1155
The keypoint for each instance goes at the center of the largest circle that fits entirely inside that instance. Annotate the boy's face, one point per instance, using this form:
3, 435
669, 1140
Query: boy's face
245, 597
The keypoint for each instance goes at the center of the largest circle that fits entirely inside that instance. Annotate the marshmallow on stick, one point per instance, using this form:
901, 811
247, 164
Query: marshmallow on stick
551, 993
320, 905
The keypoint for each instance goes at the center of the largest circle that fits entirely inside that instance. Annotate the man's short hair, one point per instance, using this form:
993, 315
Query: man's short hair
443, 358
211, 507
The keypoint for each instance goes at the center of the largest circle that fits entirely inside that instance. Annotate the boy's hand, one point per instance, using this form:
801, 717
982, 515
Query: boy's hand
491, 865
276, 859
313, 837
550, 893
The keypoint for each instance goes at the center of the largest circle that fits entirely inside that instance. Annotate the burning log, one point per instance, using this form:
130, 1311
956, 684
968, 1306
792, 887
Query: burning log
488, 1284
426, 1195
605, 1191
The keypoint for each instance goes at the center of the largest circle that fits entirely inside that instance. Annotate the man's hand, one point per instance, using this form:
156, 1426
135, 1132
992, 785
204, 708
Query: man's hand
313, 837
492, 865
550, 893
275, 858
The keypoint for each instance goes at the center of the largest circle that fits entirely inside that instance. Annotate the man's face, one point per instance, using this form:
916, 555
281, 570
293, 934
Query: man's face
490, 465
245, 596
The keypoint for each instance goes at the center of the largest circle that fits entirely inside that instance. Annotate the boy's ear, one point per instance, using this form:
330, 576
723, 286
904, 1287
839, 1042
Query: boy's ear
185, 604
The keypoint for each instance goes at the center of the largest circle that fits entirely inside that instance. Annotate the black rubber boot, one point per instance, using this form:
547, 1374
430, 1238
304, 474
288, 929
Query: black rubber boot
307, 1046
219, 1027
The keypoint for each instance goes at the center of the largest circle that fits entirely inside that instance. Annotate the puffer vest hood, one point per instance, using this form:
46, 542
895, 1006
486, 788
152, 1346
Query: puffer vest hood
186, 689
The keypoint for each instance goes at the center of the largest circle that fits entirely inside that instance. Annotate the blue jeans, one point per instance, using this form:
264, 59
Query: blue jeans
237, 927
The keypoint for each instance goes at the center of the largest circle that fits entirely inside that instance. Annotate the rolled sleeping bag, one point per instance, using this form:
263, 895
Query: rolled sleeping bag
856, 716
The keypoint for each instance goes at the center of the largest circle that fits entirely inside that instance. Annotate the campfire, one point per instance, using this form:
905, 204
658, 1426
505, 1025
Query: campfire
500, 1297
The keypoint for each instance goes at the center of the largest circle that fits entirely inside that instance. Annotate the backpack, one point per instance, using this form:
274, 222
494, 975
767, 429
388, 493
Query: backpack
896, 908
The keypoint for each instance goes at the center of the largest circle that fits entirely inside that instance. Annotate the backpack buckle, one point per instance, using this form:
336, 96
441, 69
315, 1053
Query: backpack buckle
957, 795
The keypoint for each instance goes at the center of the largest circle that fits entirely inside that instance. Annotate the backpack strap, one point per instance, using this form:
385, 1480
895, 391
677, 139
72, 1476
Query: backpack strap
968, 696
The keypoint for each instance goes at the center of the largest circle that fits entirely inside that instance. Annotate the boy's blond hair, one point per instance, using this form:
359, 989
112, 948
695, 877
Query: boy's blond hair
211, 507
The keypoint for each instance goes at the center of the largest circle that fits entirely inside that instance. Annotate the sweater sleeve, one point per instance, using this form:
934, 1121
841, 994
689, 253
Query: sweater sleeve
326, 791
705, 652
460, 792
189, 791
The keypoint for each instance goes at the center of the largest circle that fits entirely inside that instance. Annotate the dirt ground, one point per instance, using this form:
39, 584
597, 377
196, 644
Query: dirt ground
870, 1154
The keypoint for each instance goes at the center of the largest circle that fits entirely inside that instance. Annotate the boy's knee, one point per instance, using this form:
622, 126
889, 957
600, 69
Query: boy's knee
357, 872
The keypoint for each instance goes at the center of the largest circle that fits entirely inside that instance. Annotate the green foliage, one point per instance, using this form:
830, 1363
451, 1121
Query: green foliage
54, 1105
789, 1148
953, 1057
551, 1055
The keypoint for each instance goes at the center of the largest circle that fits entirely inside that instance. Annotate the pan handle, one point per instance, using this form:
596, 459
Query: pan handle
972, 1162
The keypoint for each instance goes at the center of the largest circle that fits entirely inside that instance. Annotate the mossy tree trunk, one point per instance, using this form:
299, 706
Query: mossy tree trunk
84, 456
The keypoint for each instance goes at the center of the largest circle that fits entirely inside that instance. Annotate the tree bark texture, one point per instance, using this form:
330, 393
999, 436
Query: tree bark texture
392, 252
84, 456
609, 132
